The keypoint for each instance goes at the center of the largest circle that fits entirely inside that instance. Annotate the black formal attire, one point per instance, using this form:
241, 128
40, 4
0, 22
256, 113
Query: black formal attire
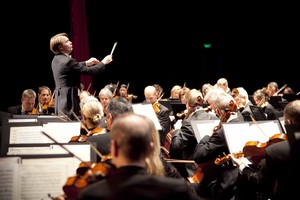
165, 122
66, 73
134, 183
15, 110
102, 142
271, 112
269, 179
221, 183
246, 111
184, 141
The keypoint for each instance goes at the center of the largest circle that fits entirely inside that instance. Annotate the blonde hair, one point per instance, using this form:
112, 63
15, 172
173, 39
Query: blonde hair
57, 40
154, 164
93, 111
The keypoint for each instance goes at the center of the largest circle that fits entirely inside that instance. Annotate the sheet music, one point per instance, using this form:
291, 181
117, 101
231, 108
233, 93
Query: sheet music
34, 178
238, 134
9, 173
62, 132
83, 151
147, 110
27, 134
40, 177
203, 127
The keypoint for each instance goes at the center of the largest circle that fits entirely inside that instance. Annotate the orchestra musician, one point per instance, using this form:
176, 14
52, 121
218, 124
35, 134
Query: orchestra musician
184, 140
105, 96
130, 144
123, 92
26, 107
91, 115
45, 103
115, 107
261, 99
162, 112
223, 185
272, 178
243, 102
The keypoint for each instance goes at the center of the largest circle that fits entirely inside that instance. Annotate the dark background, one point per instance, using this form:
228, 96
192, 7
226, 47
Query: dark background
251, 44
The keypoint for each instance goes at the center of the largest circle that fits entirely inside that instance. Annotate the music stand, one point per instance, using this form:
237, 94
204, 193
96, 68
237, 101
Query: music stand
258, 113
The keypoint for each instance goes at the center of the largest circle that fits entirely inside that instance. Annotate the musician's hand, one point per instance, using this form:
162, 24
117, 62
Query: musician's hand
240, 162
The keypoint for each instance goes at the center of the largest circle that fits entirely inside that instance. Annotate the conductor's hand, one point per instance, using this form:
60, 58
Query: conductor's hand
92, 61
107, 59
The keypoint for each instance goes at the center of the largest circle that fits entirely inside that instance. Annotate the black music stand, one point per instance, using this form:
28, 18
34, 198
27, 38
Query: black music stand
258, 113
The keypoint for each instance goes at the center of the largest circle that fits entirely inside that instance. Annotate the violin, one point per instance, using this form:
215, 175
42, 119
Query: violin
197, 177
226, 158
167, 144
34, 111
156, 107
93, 172
83, 137
257, 150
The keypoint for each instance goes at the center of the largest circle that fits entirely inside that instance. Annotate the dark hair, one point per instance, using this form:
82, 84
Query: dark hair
118, 106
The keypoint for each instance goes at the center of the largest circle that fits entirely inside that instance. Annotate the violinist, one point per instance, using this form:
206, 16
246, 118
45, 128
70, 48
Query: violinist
105, 96
130, 144
162, 112
123, 92
27, 104
91, 114
261, 99
221, 182
243, 102
272, 177
184, 140
45, 103
114, 109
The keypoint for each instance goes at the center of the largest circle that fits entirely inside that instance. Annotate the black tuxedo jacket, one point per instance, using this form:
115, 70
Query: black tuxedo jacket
66, 74
134, 183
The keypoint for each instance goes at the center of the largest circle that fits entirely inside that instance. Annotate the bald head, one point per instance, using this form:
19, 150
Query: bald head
151, 94
132, 134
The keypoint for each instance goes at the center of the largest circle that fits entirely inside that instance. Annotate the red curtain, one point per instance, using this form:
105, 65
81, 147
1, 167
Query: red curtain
79, 38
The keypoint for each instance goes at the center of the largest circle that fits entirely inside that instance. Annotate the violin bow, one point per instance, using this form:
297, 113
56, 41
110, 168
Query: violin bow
255, 122
276, 93
89, 87
64, 115
62, 146
84, 126
115, 90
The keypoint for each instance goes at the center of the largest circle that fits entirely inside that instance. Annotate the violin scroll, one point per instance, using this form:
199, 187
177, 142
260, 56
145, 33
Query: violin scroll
226, 158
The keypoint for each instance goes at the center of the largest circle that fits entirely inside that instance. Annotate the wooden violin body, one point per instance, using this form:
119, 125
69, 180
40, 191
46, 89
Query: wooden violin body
93, 172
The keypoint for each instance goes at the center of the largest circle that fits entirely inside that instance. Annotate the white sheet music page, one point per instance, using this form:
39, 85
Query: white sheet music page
43, 176
27, 134
147, 110
62, 132
238, 134
9, 181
